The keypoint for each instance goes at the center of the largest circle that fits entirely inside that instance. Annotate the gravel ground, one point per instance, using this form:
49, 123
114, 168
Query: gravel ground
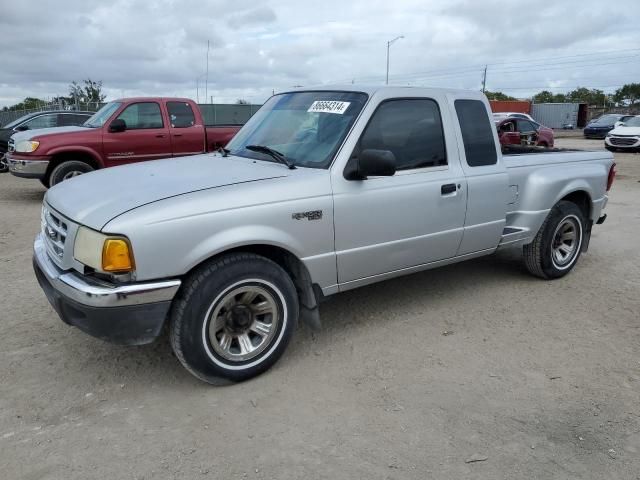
410, 378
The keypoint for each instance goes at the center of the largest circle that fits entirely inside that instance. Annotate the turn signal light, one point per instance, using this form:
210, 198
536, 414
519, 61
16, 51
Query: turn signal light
117, 256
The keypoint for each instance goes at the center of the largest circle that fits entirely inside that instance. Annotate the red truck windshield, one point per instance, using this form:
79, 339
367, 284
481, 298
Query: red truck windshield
306, 127
97, 119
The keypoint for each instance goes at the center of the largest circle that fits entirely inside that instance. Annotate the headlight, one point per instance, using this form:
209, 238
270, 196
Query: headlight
106, 253
27, 146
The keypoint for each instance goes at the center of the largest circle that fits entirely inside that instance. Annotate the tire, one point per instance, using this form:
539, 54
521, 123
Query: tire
222, 290
66, 170
4, 166
557, 246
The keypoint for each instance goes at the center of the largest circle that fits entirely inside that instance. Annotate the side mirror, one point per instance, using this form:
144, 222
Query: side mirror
118, 125
22, 128
371, 163
618, 124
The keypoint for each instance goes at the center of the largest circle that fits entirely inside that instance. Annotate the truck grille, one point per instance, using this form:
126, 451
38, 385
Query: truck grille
54, 231
623, 140
12, 145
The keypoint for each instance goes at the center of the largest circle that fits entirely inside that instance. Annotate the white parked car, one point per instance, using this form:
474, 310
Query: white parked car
499, 116
625, 136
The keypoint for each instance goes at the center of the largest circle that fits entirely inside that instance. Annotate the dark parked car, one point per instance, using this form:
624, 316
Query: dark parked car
599, 127
34, 121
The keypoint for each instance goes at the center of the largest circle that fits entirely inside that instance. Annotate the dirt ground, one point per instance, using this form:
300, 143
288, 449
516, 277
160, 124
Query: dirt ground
410, 378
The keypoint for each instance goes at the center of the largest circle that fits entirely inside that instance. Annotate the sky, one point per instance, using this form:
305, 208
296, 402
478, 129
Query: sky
159, 47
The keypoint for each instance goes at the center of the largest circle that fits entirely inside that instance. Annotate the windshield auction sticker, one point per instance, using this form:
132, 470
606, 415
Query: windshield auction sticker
329, 106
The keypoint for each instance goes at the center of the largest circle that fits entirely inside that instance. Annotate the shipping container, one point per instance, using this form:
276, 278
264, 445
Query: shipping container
557, 115
519, 106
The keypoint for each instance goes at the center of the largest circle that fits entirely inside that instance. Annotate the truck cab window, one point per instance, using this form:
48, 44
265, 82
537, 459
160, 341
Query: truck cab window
181, 115
142, 115
411, 129
477, 133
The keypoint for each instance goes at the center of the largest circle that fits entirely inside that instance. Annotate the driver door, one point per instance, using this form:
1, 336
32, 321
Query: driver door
389, 224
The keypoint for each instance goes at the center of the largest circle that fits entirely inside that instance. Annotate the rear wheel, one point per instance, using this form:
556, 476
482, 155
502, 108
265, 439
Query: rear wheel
234, 318
67, 170
557, 246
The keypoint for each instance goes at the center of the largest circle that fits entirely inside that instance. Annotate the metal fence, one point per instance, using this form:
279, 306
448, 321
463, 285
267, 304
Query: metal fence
227, 114
214, 113
9, 116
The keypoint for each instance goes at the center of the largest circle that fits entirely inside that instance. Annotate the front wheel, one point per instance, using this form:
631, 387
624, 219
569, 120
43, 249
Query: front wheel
233, 318
67, 170
557, 246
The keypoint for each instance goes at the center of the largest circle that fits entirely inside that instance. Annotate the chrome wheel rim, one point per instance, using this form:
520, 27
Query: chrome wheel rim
243, 322
566, 241
71, 174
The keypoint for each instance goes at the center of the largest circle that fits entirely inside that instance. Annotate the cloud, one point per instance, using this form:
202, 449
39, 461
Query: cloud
158, 47
256, 16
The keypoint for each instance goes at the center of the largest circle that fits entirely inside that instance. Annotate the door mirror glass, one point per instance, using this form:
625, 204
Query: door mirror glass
371, 163
118, 125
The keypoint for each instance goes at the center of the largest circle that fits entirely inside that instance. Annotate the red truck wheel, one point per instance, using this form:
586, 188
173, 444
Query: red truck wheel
67, 170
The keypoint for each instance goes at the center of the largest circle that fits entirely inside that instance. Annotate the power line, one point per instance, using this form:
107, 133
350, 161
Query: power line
452, 71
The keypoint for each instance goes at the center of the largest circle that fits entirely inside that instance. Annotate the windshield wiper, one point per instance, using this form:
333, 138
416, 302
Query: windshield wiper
273, 153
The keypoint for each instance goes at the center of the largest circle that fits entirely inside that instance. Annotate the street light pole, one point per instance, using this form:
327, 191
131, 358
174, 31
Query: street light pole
206, 82
389, 43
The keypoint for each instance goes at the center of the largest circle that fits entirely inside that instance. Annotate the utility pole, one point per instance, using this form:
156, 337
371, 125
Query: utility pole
389, 43
484, 79
206, 82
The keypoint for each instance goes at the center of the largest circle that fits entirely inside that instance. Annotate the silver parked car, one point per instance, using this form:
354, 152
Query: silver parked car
322, 191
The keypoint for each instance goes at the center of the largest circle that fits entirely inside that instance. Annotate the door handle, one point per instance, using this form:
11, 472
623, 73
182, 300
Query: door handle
177, 134
160, 135
448, 188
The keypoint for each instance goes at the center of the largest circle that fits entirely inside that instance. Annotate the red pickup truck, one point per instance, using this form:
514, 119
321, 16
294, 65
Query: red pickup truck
123, 131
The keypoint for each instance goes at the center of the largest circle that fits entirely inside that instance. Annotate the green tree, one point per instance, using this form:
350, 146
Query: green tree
592, 96
498, 96
628, 94
29, 103
242, 101
91, 91
544, 96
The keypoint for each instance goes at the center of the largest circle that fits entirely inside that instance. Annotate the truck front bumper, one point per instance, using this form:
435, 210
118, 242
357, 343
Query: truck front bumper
127, 314
27, 166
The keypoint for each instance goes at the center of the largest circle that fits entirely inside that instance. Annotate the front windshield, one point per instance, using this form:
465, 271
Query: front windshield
102, 115
606, 120
306, 127
17, 122
632, 122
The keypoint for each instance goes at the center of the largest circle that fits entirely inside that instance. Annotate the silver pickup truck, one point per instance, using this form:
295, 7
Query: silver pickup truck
322, 191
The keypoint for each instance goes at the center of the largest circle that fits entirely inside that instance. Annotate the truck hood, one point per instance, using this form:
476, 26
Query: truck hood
40, 132
96, 198
625, 131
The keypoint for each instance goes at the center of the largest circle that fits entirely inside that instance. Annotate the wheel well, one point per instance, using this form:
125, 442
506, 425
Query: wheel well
582, 200
308, 293
63, 157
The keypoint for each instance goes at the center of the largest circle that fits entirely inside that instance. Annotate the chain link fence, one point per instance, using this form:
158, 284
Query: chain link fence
9, 116
213, 113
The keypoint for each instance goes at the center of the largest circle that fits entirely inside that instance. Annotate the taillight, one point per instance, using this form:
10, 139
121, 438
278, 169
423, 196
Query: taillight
611, 177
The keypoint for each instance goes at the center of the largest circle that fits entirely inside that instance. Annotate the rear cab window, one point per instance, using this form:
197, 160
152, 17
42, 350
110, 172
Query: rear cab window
477, 133
181, 115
